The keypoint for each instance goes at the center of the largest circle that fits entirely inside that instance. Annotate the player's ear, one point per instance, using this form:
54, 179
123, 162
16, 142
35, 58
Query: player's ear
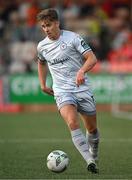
58, 23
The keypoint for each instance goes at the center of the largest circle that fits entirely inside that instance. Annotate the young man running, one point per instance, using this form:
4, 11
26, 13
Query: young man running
69, 58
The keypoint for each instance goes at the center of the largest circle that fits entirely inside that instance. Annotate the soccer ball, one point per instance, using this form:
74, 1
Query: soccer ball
57, 161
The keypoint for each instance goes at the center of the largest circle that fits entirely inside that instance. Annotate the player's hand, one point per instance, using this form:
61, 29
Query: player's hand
48, 90
80, 78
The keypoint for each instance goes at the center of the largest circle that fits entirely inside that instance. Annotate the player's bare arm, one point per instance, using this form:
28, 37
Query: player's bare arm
42, 73
88, 65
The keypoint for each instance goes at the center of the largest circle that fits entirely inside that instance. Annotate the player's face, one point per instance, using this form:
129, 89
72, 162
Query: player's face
51, 29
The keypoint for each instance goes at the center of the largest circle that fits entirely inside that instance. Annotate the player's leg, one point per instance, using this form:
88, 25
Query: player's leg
92, 134
67, 106
69, 114
87, 109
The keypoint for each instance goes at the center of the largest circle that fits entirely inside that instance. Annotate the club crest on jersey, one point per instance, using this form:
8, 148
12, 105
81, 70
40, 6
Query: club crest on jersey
63, 46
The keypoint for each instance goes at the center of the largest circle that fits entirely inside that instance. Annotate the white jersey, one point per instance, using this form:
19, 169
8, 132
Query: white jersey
64, 57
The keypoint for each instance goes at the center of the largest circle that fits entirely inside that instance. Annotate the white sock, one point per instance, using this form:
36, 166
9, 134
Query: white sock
93, 141
81, 144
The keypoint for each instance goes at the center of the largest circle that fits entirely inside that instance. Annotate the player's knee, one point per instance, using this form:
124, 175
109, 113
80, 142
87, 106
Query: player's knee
92, 130
73, 125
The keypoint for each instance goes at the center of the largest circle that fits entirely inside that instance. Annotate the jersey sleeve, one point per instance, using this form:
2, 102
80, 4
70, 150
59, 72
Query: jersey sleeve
41, 59
80, 44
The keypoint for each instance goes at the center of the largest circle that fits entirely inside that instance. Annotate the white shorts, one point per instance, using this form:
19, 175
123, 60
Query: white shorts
84, 101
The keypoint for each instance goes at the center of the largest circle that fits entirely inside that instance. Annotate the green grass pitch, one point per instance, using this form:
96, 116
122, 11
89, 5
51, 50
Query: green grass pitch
27, 138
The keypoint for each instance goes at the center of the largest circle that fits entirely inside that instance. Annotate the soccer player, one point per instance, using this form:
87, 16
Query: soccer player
69, 59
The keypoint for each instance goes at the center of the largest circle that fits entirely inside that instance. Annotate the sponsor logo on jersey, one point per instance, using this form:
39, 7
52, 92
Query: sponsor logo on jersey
58, 60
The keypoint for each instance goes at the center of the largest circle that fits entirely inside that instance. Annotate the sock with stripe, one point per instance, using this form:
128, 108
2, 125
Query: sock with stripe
81, 144
93, 142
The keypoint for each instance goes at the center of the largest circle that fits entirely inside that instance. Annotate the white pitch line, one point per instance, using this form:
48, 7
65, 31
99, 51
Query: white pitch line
60, 140
39, 140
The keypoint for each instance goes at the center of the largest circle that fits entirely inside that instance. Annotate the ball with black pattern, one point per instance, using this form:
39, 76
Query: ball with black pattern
57, 161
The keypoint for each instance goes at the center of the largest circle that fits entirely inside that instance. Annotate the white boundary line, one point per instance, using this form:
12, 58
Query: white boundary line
48, 140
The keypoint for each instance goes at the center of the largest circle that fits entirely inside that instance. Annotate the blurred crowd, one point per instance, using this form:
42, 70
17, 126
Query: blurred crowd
105, 24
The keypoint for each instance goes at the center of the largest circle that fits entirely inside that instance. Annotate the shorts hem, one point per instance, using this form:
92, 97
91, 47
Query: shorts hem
87, 113
66, 103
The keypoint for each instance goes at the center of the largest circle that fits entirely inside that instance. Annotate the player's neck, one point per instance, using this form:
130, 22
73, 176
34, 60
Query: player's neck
57, 35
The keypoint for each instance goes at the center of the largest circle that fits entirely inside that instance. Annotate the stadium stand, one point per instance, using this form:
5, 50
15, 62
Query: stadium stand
105, 25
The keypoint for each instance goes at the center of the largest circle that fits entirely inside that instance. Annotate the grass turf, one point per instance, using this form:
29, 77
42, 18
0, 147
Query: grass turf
27, 138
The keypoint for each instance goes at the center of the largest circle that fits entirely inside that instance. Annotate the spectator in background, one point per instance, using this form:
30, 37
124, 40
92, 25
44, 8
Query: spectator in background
22, 52
16, 30
123, 53
104, 24
121, 43
32, 12
22, 9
